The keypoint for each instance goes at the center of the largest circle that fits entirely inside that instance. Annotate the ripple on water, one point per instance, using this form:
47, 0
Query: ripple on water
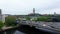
18, 32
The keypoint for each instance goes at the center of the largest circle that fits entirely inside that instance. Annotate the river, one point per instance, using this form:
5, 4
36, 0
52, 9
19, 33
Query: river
24, 30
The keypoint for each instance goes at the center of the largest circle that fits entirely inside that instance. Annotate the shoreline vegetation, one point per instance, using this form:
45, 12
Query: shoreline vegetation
10, 21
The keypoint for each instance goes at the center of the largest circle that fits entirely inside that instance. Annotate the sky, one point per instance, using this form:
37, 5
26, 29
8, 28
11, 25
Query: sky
23, 7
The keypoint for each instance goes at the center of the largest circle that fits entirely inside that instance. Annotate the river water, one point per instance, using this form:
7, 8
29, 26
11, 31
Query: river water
25, 30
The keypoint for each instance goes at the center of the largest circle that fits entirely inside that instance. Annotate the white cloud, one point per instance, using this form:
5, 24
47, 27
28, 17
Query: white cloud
25, 6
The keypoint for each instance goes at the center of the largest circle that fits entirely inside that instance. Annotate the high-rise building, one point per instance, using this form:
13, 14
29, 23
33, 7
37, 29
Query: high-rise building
33, 10
0, 12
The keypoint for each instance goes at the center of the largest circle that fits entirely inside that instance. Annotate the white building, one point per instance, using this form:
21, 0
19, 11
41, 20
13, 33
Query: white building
2, 16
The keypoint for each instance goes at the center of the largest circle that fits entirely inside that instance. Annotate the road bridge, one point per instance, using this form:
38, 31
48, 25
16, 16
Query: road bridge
46, 26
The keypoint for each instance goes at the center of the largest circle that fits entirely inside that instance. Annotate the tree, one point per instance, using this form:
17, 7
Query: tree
43, 18
10, 20
28, 18
1, 24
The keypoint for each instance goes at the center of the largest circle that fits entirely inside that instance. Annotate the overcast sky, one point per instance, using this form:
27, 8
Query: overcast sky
26, 6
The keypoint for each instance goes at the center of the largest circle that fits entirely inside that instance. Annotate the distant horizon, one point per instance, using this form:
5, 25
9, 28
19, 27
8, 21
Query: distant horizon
30, 13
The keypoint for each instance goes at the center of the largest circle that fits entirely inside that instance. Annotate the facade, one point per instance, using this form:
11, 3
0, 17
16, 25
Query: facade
0, 15
4, 16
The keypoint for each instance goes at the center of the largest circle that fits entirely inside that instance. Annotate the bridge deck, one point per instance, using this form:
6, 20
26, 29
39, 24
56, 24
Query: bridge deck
45, 25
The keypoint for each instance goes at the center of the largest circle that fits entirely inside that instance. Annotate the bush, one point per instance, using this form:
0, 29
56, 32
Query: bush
1, 24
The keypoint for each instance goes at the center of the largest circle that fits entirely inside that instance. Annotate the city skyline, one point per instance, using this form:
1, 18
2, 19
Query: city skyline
22, 7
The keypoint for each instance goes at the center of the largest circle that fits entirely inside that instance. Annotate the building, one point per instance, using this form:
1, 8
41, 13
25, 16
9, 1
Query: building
34, 15
2, 16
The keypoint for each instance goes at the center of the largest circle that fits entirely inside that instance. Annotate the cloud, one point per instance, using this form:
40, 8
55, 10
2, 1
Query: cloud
25, 6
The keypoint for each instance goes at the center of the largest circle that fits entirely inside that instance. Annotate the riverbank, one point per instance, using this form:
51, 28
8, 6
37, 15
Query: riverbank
4, 28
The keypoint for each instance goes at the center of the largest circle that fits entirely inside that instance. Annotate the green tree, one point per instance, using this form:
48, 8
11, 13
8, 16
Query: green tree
10, 21
43, 18
28, 18
1, 24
